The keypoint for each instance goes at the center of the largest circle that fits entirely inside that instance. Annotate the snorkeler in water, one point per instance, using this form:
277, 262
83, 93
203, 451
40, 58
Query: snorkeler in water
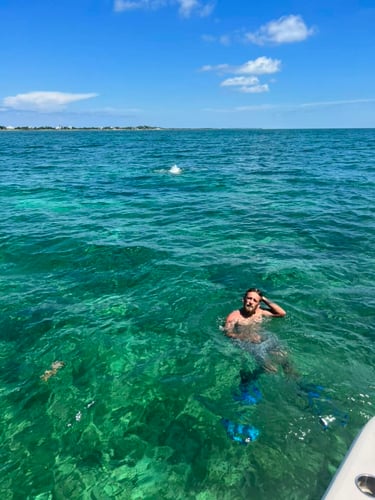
243, 325
251, 313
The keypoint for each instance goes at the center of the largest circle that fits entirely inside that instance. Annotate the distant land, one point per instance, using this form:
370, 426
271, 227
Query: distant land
138, 127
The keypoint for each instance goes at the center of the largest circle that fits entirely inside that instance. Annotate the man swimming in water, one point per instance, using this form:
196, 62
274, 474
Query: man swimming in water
243, 325
250, 314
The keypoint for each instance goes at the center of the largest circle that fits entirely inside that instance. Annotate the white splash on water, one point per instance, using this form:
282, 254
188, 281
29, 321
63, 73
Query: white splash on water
175, 170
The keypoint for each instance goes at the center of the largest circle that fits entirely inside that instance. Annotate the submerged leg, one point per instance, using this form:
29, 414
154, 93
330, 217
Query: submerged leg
248, 376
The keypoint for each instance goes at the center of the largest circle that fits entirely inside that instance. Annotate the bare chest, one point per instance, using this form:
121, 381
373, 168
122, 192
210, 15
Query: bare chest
251, 320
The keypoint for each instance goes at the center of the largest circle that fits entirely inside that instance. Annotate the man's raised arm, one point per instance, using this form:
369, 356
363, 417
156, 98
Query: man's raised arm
274, 310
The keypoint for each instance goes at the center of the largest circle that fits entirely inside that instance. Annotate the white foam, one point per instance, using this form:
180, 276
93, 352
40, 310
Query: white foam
175, 170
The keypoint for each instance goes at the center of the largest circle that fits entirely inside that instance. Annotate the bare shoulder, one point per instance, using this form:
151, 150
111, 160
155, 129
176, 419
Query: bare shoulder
233, 316
232, 319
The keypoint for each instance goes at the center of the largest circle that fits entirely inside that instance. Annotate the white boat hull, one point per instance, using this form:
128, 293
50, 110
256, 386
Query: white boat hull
355, 478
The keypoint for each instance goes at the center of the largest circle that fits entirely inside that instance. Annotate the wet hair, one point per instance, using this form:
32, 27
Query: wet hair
256, 290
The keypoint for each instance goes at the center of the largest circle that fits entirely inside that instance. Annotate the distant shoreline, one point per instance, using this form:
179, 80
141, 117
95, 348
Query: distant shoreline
107, 129
69, 129
149, 128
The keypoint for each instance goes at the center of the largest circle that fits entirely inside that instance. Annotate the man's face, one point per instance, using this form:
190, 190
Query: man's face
251, 302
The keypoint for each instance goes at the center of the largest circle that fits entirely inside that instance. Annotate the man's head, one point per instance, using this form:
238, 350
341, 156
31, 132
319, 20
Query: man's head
251, 300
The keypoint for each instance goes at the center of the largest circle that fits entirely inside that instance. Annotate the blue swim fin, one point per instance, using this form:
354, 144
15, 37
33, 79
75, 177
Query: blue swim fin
322, 406
240, 433
249, 394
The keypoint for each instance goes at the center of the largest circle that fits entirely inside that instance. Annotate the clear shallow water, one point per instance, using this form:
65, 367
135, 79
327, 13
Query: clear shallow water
126, 272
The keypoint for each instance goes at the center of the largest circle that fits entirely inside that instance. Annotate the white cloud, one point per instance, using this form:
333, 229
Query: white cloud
247, 82
287, 29
319, 104
223, 68
260, 66
124, 5
255, 89
206, 9
292, 107
240, 81
261, 107
185, 7
43, 101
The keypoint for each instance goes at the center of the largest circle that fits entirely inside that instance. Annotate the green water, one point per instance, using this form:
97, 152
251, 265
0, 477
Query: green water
126, 272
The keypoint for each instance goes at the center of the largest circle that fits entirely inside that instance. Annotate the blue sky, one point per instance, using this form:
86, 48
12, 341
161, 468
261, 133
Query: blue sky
188, 63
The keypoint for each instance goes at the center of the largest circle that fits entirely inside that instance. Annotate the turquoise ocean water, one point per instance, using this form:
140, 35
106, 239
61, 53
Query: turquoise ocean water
126, 272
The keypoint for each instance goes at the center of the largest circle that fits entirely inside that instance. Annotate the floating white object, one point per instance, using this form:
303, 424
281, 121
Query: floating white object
355, 478
175, 170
